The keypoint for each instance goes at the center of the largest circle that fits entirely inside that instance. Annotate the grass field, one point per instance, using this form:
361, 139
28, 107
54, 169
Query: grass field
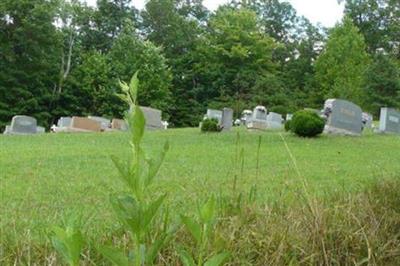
46, 178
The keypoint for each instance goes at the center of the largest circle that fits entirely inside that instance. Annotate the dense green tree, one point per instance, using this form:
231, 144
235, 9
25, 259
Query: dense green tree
378, 21
129, 54
341, 67
237, 67
109, 20
91, 89
175, 25
382, 84
30, 46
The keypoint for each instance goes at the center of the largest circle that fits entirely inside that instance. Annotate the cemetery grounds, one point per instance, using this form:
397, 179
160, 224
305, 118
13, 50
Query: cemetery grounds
312, 200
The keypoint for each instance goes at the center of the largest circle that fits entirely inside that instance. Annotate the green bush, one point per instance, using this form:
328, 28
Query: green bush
307, 124
287, 125
210, 125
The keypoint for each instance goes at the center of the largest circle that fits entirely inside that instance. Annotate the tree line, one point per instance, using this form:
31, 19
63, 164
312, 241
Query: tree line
61, 58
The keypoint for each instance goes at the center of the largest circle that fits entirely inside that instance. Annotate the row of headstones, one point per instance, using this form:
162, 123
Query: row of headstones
22, 124
224, 117
258, 119
344, 117
261, 119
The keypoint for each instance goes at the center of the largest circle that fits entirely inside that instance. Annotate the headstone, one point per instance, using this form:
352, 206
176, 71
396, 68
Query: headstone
22, 124
389, 121
217, 114
343, 117
153, 118
367, 120
246, 116
274, 121
119, 124
40, 130
83, 124
7, 130
64, 121
227, 119
165, 124
289, 117
105, 123
258, 119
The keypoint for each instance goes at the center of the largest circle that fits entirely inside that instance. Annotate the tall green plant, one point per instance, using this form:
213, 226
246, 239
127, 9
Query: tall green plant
68, 242
137, 211
201, 230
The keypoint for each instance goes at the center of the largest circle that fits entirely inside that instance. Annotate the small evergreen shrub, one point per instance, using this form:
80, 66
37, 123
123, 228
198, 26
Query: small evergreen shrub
210, 125
307, 124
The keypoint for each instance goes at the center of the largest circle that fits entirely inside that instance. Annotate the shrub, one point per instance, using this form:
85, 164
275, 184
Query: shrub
287, 125
306, 124
210, 125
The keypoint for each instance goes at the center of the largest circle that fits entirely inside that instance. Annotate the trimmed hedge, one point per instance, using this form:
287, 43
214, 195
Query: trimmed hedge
306, 124
210, 125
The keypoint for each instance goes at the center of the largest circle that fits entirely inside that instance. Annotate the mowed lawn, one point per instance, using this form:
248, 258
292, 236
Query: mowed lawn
46, 178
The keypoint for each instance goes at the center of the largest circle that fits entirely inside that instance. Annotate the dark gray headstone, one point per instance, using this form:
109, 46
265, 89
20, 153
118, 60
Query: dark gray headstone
343, 117
227, 119
22, 124
389, 121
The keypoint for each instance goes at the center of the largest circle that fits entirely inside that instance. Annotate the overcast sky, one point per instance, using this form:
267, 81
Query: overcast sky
326, 12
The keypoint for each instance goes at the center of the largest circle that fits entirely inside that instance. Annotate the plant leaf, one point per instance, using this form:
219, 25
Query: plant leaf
151, 211
217, 260
207, 210
129, 212
193, 227
69, 243
154, 165
134, 86
186, 258
136, 124
159, 243
114, 255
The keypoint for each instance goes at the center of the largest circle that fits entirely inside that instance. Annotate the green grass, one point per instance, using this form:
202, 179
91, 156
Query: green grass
46, 178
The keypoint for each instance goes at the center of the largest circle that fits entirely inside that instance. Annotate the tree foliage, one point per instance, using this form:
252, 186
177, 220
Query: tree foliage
341, 67
60, 58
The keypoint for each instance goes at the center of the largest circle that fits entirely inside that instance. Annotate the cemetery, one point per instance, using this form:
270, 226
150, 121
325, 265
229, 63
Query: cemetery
335, 161
199, 133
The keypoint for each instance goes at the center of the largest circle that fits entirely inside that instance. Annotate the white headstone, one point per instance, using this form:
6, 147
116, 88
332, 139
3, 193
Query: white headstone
274, 121
258, 119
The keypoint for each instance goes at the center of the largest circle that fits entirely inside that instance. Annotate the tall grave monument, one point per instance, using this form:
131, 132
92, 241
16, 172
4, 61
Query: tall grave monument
343, 117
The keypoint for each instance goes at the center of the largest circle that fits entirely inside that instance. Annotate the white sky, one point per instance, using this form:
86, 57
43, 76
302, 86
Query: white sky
326, 12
